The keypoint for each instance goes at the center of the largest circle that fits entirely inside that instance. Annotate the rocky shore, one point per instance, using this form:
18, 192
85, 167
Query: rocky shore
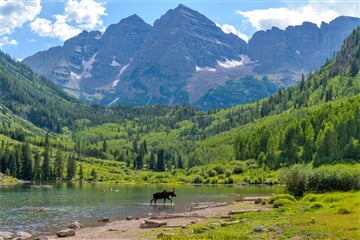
152, 227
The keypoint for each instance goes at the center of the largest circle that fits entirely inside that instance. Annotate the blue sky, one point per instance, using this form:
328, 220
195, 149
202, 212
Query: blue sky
29, 26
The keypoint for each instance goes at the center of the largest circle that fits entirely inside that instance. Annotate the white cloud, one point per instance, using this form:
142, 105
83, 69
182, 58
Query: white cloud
86, 13
227, 28
15, 13
78, 16
313, 11
5, 40
59, 29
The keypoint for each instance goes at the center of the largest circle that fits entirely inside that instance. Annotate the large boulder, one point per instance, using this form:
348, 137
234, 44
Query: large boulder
7, 235
22, 235
66, 233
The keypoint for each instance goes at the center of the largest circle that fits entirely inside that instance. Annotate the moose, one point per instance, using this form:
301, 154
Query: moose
163, 195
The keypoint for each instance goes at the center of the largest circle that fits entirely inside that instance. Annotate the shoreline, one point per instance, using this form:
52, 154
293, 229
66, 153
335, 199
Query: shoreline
135, 228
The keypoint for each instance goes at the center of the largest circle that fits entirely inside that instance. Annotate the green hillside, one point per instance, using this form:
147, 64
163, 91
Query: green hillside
47, 135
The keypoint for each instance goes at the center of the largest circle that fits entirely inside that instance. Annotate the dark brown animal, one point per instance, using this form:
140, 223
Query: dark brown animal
163, 195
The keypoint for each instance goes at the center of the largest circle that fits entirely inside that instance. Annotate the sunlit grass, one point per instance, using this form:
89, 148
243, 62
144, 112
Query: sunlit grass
335, 216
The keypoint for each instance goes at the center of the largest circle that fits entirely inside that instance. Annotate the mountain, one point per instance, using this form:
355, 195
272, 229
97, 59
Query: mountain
180, 44
185, 58
301, 48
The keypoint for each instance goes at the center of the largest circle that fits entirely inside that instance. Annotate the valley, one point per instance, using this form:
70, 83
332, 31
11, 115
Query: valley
225, 123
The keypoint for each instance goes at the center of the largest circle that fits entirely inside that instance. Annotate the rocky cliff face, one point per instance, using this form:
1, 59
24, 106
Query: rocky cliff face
301, 48
184, 57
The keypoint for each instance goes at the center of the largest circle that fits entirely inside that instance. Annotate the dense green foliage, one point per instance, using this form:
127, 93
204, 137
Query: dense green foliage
324, 134
302, 178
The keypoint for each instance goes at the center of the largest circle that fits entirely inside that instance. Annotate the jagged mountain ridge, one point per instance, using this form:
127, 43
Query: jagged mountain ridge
184, 57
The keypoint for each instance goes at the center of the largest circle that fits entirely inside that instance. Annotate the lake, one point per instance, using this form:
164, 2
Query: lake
89, 202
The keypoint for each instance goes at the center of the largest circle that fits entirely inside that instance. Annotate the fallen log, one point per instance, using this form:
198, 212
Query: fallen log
256, 198
232, 212
152, 224
199, 206
178, 215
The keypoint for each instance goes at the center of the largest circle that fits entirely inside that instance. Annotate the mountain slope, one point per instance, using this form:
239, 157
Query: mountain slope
33, 97
92, 62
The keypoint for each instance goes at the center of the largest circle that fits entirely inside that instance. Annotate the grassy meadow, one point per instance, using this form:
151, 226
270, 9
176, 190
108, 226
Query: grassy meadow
334, 215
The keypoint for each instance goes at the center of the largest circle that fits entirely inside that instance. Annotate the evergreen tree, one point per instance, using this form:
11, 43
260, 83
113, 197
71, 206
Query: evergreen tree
180, 163
71, 167
160, 164
12, 164
46, 174
105, 146
135, 146
37, 167
152, 161
144, 145
27, 170
59, 165
93, 174
81, 172
19, 162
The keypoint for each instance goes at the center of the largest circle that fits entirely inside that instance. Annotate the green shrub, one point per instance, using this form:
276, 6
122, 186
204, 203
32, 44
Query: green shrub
219, 169
211, 173
197, 179
230, 180
296, 178
214, 181
282, 196
316, 206
343, 210
281, 202
310, 198
238, 170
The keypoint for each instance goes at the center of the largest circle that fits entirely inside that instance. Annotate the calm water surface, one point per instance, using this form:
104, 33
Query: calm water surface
88, 202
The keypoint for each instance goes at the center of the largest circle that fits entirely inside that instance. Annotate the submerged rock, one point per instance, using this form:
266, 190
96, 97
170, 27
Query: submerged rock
104, 219
75, 225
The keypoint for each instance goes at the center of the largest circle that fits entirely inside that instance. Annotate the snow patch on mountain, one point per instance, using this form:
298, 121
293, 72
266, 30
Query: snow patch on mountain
117, 79
114, 101
204, 69
114, 63
87, 66
232, 63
